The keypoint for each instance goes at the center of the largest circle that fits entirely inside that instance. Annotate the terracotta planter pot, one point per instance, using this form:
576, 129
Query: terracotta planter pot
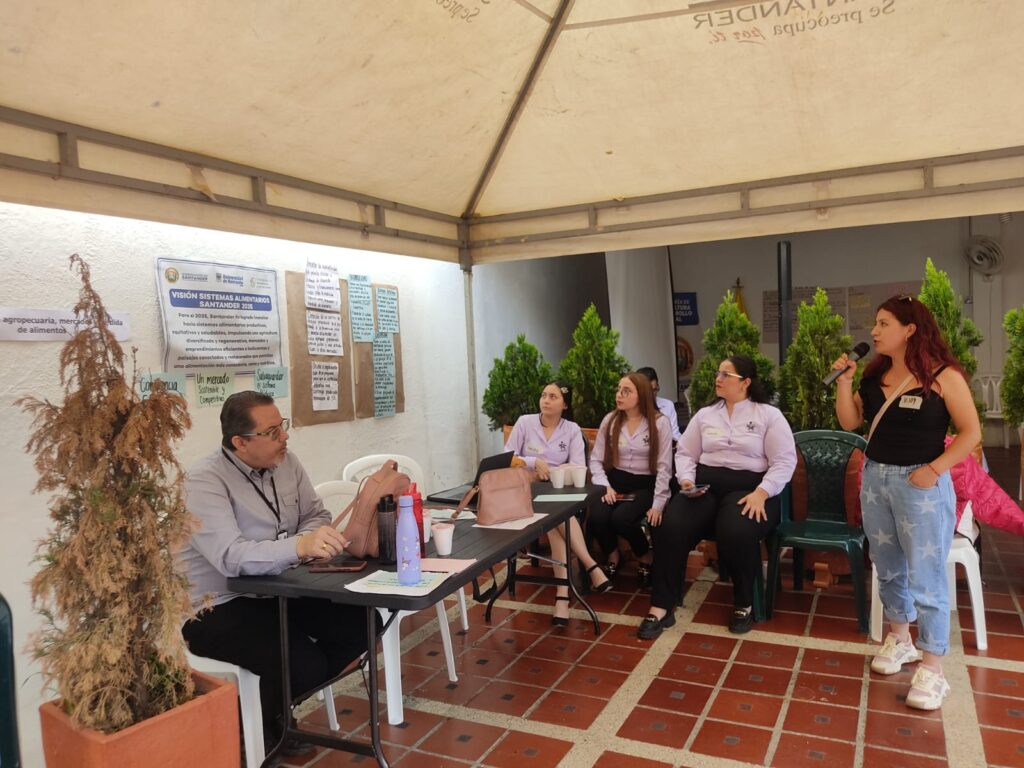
202, 732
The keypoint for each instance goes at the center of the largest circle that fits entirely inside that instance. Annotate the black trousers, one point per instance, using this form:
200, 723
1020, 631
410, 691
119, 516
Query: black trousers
715, 516
323, 638
607, 522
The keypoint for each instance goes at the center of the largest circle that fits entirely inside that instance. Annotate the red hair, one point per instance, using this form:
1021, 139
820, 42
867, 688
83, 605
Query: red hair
926, 351
648, 409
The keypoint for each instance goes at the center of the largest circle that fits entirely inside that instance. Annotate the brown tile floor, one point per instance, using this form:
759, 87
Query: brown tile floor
797, 691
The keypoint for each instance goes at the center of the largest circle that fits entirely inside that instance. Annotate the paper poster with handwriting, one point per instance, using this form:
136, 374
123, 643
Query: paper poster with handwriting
322, 288
383, 376
387, 310
271, 380
175, 382
360, 307
213, 387
323, 330
324, 382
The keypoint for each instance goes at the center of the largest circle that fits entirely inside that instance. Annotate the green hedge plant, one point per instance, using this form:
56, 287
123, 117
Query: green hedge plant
1011, 391
515, 383
593, 367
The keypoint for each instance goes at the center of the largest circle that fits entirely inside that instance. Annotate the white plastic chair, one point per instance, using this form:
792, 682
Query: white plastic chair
993, 402
963, 552
248, 698
336, 495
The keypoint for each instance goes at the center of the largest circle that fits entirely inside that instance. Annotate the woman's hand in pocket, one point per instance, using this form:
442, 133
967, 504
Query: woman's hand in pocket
923, 478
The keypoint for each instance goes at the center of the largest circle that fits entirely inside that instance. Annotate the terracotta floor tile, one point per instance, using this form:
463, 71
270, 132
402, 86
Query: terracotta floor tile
507, 641
747, 677
796, 602
887, 696
692, 669
413, 676
426, 654
994, 601
835, 605
483, 662
506, 698
999, 646
997, 681
417, 725
1000, 711
1002, 622
912, 734
559, 649
602, 682
711, 646
568, 709
414, 759
1003, 748
890, 759
732, 741
832, 663
720, 592
461, 739
796, 751
652, 726
617, 657
828, 689
625, 634
335, 759
825, 720
527, 750
746, 708
715, 614
440, 688
677, 696
609, 602
785, 623
618, 760
353, 712
832, 628
767, 654
475, 612
534, 671
528, 621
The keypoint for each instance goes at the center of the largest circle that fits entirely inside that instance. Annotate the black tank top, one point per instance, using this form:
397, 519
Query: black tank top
905, 435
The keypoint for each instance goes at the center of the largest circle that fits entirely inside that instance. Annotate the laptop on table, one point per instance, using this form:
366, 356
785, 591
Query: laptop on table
454, 495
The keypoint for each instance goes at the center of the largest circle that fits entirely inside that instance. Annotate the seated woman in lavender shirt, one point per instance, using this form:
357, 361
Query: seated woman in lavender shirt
545, 440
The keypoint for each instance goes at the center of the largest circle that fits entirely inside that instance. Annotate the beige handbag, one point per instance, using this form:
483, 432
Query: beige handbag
505, 494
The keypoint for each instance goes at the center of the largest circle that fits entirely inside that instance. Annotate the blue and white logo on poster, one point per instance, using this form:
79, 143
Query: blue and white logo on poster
684, 308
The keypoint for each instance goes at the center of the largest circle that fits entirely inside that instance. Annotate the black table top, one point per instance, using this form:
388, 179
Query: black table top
487, 547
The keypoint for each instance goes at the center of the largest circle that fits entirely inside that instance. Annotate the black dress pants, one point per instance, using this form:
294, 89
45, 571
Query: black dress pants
323, 638
715, 516
607, 522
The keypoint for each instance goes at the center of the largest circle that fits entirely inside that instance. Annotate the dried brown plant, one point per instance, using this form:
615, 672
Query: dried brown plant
110, 596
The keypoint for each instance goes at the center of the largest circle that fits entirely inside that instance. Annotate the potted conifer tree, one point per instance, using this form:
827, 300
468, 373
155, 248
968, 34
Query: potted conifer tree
107, 589
1011, 391
514, 384
593, 368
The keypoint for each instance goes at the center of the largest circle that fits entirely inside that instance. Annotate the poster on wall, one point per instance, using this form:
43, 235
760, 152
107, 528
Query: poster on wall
218, 315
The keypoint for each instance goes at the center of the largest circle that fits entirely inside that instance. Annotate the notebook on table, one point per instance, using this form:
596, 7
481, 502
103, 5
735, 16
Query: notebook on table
454, 495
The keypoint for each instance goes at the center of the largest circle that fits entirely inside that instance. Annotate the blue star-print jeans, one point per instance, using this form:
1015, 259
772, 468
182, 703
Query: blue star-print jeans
910, 531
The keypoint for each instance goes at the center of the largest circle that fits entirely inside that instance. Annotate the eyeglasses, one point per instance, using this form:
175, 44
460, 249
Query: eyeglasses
723, 374
274, 433
624, 391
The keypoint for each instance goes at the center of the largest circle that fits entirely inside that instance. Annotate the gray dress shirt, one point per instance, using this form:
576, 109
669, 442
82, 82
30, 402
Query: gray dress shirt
239, 533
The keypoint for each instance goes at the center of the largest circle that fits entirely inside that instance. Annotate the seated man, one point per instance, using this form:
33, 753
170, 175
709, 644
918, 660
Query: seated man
259, 514
666, 406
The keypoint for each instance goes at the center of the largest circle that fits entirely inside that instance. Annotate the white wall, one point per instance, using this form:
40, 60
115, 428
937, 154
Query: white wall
34, 246
640, 300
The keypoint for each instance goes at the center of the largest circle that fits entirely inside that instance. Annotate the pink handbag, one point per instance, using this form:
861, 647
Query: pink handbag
505, 494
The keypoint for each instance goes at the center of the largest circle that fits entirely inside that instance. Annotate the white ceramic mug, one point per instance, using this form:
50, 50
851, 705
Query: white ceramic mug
443, 533
557, 477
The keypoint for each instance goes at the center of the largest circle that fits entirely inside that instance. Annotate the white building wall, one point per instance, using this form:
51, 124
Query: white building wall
34, 246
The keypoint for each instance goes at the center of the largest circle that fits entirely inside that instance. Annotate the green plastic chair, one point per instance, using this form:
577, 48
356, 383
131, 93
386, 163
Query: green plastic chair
9, 752
826, 455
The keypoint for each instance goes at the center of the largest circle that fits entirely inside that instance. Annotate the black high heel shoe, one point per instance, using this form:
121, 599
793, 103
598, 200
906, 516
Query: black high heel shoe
560, 621
604, 586
611, 568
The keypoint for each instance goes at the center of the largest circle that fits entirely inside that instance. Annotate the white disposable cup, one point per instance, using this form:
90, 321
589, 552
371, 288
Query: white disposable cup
426, 525
443, 533
579, 476
557, 477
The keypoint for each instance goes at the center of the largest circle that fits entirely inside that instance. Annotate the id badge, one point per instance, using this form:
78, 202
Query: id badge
282, 535
913, 402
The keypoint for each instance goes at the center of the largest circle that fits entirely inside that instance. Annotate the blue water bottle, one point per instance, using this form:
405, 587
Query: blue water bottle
408, 541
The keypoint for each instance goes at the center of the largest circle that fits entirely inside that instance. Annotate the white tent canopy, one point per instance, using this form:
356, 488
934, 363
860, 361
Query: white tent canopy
484, 130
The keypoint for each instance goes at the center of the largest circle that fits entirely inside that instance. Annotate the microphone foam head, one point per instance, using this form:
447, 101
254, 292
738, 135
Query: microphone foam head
861, 349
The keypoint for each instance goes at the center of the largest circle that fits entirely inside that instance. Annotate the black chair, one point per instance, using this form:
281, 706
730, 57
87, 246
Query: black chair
10, 755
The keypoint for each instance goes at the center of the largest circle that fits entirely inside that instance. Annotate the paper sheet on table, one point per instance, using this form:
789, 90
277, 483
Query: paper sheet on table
386, 583
513, 525
560, 497
437, 513
444, 564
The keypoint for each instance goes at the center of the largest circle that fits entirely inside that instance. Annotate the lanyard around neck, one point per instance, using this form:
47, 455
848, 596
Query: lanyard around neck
273, 507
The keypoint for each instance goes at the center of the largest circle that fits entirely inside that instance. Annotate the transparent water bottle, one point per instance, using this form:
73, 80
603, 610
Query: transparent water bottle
386, 530
408, 541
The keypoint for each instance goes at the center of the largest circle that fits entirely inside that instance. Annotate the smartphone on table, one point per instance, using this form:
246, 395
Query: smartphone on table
696, 490
338, 566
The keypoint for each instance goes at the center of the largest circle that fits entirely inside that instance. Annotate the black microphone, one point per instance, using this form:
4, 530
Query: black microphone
856, 354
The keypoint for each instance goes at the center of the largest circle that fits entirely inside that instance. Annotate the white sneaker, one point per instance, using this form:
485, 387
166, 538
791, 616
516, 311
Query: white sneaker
927, 689
893, 655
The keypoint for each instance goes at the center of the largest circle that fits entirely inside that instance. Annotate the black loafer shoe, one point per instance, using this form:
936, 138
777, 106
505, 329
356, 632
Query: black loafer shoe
741, 621
652, 626
297, 747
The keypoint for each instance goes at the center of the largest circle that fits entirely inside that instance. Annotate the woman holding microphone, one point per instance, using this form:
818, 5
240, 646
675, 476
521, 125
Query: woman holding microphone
908, 395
